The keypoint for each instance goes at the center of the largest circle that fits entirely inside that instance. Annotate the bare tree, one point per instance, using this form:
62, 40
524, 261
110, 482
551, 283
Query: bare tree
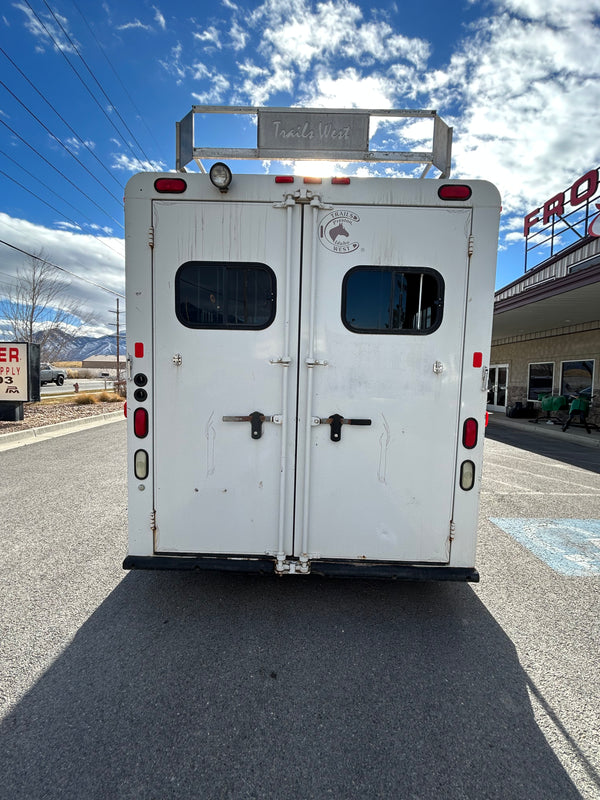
38, 308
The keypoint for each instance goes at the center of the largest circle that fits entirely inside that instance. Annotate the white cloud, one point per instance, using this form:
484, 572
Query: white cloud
210, 35
46, 30
128, 164
238, 36
136, 24
349, 89
219, 85
529, 100
81, 254
159, 18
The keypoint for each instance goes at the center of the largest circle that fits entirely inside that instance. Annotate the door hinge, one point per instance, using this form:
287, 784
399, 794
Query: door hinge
153, 520
452, 530
471, 245
151, 236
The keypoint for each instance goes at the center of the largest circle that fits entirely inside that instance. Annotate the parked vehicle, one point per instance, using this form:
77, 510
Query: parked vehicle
50, 374
307, 372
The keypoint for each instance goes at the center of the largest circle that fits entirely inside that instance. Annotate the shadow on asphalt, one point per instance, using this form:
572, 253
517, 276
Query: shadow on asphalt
567, 451
223, 686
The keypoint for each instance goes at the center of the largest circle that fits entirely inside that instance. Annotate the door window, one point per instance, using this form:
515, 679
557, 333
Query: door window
225, 295
392, 300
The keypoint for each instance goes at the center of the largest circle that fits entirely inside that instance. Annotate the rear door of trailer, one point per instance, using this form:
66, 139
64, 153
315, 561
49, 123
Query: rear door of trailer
307, 314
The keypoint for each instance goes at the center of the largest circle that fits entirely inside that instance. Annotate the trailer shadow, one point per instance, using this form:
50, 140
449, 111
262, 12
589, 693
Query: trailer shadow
223, 686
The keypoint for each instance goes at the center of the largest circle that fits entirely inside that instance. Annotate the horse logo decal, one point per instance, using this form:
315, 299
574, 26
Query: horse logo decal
336, 231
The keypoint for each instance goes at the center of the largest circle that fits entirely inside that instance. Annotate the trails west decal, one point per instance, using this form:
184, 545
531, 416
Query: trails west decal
336, 231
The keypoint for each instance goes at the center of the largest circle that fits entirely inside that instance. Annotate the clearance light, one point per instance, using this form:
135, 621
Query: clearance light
220, 176
313, 180
470, 433
344, 181
467, 475
138, 349
284, 179
477, 359
140, 465
170, 185
454, 191
140, 423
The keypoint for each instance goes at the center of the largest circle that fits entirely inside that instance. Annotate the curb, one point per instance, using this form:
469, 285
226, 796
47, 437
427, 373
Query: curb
10, 440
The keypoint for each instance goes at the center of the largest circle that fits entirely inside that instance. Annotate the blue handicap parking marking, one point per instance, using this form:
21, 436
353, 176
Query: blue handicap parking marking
568, 546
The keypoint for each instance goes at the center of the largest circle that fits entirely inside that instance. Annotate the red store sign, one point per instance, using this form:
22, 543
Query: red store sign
581, 191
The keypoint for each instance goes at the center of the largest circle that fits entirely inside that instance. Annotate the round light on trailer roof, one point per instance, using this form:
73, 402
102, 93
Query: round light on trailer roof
220, 176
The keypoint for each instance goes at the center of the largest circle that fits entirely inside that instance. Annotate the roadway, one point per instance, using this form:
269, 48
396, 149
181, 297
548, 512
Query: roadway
85, 385
172, 685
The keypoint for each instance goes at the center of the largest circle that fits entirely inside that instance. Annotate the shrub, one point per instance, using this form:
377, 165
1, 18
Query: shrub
108, 397
84, 399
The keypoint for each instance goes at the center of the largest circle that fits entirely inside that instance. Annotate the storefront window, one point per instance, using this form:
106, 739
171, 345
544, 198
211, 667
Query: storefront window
577, 377
541, 377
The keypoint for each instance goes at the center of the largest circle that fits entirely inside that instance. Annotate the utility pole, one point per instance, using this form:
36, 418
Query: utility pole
118, 313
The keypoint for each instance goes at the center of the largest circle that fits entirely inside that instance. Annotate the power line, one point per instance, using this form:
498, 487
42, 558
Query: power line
62, 269
116, 74
74, 185
62, 119
62, 144
98, 84
87, 88
41, 199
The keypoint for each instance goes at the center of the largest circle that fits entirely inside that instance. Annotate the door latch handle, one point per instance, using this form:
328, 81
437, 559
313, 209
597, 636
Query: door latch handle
336, 421
256, 419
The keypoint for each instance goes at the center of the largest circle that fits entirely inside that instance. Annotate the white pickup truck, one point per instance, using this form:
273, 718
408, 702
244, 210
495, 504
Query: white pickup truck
50, 374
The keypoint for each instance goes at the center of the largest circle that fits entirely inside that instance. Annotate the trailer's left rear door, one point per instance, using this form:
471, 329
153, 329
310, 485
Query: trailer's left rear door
222, 324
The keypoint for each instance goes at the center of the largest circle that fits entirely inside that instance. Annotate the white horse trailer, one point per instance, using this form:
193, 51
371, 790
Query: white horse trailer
307, 364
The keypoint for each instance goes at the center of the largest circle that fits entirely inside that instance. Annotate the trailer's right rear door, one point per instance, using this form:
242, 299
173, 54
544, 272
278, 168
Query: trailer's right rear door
383, 296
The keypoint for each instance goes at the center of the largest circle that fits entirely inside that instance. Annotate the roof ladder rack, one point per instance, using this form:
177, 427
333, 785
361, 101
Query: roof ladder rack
329, 134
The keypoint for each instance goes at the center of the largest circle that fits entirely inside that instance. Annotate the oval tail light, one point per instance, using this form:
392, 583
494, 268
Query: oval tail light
470, 433
140, 465
170, 185
455, 191
467, 475
140, 423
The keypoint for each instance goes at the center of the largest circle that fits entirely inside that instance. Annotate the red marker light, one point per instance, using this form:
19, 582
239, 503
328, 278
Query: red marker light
313, 180
344, 181
170, 185
140, 423
284, 179
138, 349
454, 191
477, 359
470, 433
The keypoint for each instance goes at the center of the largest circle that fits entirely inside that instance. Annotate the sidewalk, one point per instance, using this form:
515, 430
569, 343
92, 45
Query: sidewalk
574, 434
9, 441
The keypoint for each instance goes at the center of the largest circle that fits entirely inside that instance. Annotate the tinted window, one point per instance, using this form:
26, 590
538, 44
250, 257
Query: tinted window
392, 300
541, 377
214, 295
577, 376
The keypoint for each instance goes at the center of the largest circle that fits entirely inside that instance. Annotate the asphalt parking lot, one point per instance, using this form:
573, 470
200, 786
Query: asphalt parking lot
156, 685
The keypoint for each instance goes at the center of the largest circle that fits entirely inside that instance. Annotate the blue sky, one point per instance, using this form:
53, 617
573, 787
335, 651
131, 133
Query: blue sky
517, 79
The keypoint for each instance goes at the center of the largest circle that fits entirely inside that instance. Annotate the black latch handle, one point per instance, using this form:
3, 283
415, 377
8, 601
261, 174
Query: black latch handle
336, 421
256, 419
